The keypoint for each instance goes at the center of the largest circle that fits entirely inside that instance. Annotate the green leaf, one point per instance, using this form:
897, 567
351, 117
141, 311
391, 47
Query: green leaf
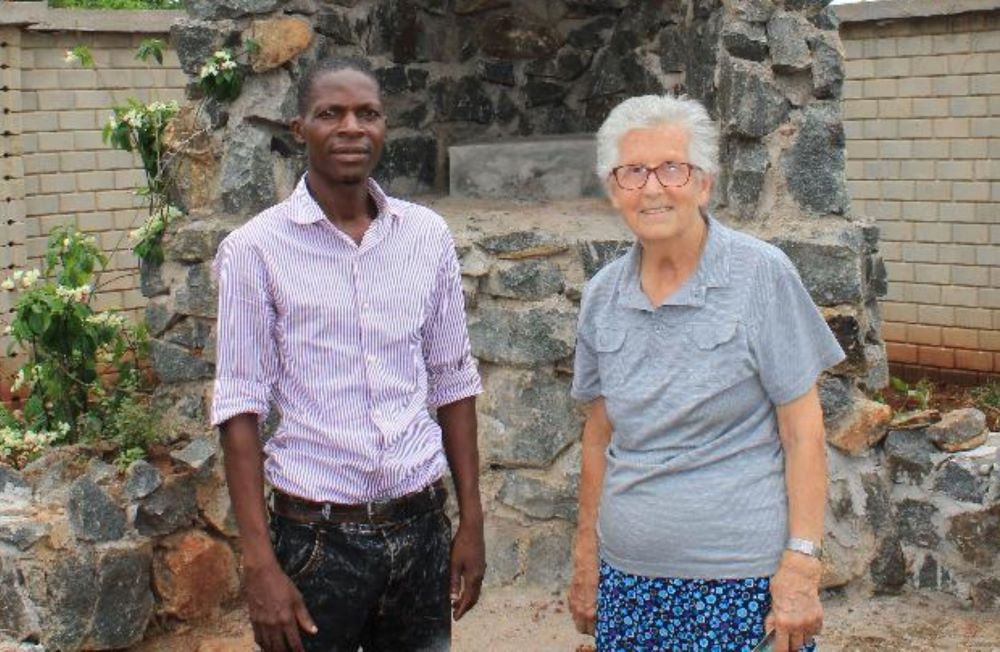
82, 55
899, 384
150, 46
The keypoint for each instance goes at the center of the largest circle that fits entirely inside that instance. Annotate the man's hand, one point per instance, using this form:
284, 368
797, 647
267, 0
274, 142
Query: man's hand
583, 588
468, 565
796, 612
277, 610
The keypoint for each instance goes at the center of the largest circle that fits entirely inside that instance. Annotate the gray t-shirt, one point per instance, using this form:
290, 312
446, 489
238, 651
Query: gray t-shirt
694, 485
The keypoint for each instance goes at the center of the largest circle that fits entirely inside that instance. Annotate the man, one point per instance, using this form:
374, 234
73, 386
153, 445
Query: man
344, 308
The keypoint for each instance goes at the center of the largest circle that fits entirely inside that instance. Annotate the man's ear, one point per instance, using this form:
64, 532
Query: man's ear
296, 127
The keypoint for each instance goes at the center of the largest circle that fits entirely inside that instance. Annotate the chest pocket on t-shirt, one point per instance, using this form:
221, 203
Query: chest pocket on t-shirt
719, 357
611, 364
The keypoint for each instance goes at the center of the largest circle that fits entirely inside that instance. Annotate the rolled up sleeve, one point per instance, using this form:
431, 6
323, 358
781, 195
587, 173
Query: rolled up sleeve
451, 370
246, 355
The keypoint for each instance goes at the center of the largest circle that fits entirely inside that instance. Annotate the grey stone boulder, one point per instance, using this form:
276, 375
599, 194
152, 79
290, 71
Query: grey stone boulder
526, 417
959, 430
196, 241
169, 508
93, 514
538, 169
198, 455
18, 618
67, 590
916, 523
216, 9
124, 598
909, 456
22, 532
15, 492
786, 38
247, 182
828, 66
517, 245
753, 105
174, 364
545, 495
976, 535
959, 478
595, 254
198, 296
141, 479
829, 267
196, 40
745, 40
814, 164
530, 337
528, 280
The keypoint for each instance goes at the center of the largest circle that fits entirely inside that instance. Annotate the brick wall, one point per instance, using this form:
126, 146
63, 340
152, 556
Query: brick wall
922, 117
61, 172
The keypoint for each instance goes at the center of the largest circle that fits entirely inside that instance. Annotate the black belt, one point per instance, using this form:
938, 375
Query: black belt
420, 502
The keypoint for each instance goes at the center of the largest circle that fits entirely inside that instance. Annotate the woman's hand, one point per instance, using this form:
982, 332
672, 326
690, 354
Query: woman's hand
583, 589
796, 612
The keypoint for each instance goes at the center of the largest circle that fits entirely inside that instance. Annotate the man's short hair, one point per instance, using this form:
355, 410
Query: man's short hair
646, 111
326, 65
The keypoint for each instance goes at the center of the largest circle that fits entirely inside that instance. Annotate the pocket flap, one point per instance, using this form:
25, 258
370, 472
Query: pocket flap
707, 336
610, 339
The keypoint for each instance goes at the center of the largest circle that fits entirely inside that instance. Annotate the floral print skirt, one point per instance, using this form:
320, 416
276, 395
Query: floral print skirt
636, 613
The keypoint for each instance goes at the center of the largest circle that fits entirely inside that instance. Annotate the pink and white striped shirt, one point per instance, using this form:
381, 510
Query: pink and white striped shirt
351, 342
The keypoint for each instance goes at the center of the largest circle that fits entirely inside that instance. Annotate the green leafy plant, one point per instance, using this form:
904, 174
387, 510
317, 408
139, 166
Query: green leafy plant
82, 373
150, 47
80, 54
221, 76
918, 394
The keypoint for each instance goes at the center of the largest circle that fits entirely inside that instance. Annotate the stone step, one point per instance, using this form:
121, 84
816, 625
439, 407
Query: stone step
534, 169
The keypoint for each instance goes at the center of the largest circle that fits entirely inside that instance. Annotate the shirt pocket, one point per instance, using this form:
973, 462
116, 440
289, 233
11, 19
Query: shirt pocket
718, 356
610, 346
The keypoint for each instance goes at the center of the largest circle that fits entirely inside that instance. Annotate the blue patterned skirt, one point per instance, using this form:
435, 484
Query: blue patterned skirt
636, 613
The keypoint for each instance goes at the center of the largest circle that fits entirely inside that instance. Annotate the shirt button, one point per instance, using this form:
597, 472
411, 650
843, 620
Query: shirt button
370, 359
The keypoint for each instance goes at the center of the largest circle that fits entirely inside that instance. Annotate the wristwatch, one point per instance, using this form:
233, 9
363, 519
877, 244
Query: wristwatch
804, 546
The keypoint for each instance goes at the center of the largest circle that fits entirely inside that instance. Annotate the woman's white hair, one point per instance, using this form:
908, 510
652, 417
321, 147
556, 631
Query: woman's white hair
647, 111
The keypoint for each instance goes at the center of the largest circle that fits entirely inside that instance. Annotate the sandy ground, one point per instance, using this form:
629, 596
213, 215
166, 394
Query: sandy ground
520, 620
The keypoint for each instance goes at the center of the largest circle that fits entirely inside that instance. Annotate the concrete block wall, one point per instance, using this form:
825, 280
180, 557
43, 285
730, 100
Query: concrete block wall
922, 119
60, 171
71, 176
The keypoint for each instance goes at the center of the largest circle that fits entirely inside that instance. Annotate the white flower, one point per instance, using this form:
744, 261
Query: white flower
221, 54
227, 65
70, 56
65, 243
18, 274
30, 278
8, 284
19, 381
208, 70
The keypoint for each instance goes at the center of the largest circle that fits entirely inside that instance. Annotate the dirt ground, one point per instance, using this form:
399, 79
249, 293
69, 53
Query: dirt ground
519, 620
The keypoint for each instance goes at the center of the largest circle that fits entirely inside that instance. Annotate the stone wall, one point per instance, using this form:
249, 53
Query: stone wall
922, 116
770, 72
55, 169
90, 557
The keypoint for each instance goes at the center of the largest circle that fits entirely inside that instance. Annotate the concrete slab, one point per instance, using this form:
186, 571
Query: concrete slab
534, 169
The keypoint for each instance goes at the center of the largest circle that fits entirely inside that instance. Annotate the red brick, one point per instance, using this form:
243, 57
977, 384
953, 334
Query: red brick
975, 360
904, 353
936, 356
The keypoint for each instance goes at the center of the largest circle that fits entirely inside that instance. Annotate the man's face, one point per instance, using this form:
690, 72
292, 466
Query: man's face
343, 127
653, 212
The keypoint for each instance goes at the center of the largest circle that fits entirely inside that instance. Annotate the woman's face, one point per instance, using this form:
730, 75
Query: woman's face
653, 212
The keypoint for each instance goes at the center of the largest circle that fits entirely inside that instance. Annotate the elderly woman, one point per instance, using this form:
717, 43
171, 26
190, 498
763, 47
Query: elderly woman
703, 483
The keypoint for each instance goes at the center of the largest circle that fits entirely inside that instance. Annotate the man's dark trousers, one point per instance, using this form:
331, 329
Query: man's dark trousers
380, 584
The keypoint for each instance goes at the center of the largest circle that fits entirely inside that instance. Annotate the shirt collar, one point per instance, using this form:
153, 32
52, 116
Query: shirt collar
305, 210
712, 271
